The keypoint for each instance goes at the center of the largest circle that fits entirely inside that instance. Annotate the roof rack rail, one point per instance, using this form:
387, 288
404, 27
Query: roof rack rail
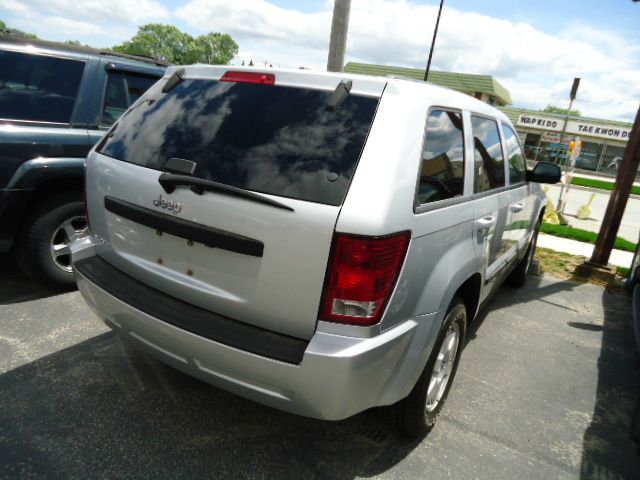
10, 36
135, 56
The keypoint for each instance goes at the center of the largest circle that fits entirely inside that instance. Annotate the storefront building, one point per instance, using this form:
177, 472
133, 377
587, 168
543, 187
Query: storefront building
603, 141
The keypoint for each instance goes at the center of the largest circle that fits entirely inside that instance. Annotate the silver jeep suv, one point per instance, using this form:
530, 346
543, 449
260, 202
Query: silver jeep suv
316, 242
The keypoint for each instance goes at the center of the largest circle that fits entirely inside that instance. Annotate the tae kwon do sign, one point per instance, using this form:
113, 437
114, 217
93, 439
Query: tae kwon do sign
596, 130
574, 127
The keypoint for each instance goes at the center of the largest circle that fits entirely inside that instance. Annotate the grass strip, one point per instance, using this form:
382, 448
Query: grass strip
623, 271
565, 231
601, 184
565, 266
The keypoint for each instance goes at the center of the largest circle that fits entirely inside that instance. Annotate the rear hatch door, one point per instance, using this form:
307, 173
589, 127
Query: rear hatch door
225, 194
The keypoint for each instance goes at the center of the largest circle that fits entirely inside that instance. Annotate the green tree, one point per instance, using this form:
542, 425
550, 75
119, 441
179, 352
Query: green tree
215, 48
166, 42
14, 31
562, 111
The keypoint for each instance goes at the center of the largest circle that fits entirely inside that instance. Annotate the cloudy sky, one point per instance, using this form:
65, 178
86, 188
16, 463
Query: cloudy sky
534, 48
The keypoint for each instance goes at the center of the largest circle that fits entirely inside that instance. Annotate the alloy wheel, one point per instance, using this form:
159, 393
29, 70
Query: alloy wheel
67, 232
443, 367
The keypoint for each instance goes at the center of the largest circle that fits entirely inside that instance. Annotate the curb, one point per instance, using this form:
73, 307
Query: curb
545, 238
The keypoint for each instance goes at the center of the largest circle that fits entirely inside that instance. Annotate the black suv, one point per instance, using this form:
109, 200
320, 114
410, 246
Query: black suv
56, 102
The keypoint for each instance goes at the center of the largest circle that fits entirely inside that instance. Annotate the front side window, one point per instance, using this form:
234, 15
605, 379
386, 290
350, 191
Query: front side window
442, 170
488, 157
517, 165
122, 90
38, 88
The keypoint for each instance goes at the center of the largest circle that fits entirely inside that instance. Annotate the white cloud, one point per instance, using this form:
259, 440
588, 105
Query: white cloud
100, 23
17, 8
90, 10
71, 29
62, 29
259, 20
536, 66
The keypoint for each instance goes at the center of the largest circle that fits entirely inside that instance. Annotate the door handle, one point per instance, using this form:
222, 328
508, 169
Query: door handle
485, 223
517, 207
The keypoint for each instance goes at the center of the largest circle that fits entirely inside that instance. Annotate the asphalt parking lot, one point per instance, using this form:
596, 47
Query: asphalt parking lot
547, 388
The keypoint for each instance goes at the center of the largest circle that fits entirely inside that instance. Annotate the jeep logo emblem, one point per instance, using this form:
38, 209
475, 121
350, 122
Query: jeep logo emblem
174, 207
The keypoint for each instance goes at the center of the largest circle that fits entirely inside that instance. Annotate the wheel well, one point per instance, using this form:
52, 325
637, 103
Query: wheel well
47, 189
56, 186
469, 291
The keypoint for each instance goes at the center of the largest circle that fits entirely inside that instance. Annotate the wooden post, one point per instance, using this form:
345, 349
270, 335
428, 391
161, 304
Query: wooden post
618, 199
338, 41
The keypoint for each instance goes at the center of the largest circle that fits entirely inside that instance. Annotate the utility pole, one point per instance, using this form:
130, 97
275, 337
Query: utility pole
618, 199
433, 42
338, 41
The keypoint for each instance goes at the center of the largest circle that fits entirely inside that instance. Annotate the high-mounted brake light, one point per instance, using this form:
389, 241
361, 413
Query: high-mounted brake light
249, 77
362, 276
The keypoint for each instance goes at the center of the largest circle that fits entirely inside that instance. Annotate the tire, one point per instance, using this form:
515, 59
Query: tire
518, 276
417, 413
50, 227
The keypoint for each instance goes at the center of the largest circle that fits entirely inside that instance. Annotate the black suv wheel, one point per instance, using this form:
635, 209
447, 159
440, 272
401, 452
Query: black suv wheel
43, 248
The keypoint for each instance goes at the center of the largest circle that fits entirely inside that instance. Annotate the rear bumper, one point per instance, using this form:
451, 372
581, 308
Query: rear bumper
337, 377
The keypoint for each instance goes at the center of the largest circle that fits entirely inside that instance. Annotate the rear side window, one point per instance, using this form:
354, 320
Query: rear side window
38, 88
442, 170
517, 165
488, 157
122, 90
265, 138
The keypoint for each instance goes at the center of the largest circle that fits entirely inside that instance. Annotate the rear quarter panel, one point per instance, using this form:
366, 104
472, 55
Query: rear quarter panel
380, 201
441, 255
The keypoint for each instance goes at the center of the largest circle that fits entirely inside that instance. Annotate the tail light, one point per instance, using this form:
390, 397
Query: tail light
249, 77
363, 273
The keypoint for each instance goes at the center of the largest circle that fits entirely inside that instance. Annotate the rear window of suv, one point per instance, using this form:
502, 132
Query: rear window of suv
38, 88
270, 139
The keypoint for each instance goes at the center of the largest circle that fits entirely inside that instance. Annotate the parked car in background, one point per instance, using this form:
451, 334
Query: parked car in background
317, 242
56, 102
587, 161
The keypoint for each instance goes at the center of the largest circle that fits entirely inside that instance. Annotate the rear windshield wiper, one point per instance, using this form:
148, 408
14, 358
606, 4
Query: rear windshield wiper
169, 182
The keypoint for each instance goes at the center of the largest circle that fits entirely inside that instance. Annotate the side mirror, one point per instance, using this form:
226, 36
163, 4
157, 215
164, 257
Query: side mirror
544, 172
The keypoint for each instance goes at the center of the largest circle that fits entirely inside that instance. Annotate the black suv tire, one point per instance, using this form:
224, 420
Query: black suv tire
34, 249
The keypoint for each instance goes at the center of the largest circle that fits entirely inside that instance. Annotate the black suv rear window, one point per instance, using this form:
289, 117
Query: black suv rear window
269, 139
38, 88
